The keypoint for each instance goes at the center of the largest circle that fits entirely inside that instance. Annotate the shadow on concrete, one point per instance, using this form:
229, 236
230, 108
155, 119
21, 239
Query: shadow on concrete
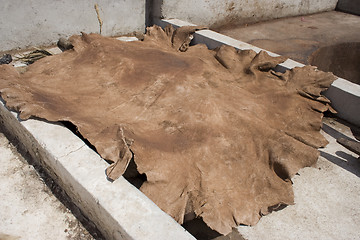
343, 160
333, 132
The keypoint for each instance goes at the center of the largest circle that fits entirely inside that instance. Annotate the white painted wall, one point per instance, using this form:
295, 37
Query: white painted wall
214, 13
41, 22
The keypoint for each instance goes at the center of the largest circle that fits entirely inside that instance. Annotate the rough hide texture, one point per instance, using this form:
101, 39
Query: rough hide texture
217, 133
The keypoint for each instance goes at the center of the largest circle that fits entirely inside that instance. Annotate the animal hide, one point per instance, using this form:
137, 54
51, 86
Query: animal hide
217, 132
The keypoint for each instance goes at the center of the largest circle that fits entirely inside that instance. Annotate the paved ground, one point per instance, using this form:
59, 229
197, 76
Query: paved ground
28, 209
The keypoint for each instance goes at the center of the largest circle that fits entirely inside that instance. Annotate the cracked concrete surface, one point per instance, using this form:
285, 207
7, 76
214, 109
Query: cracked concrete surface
72, 151
28, 209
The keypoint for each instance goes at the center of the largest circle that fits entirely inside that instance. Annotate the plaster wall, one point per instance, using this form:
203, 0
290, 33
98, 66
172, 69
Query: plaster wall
216, 13
42, 22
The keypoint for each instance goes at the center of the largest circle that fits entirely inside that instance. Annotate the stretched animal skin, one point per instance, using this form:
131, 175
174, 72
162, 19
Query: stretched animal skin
217, 132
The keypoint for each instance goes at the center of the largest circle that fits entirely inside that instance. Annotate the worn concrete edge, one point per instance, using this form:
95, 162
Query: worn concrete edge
344, 95
118, 209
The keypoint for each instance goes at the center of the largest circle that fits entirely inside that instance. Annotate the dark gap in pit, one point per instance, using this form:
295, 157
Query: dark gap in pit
329, 114
192, 42
198, 228
73, 128
280, 170
133, 176
277, 207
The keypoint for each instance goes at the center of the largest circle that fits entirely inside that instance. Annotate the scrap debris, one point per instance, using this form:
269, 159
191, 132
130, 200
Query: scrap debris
33, 56
64, 44
5, 59
216, 133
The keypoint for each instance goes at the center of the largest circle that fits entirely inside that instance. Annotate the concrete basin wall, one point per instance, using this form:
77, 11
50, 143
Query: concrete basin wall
42, 22
215, 13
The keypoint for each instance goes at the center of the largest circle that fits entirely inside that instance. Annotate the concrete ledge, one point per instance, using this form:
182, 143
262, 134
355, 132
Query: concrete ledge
345, 99
119, 210
344, 95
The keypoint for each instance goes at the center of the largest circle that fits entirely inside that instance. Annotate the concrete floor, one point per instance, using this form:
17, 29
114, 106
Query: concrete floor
298, 37
28, 209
